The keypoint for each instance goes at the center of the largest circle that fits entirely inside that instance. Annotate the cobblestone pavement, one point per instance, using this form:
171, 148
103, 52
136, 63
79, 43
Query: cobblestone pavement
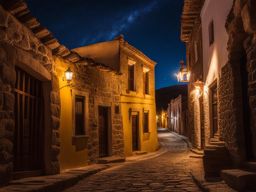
167, 172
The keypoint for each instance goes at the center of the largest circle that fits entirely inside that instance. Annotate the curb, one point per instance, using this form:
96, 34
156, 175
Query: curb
53, 183
199, 183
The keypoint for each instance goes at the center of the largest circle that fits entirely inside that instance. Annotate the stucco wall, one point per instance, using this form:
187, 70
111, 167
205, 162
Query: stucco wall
100, 89
214, 56
137, 101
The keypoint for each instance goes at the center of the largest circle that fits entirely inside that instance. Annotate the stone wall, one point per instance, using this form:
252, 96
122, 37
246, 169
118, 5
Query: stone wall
18, 46
104, 90
235, 77
195, 65
248, 15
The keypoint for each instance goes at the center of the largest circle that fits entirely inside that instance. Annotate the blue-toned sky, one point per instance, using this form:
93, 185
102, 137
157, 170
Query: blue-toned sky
153, 26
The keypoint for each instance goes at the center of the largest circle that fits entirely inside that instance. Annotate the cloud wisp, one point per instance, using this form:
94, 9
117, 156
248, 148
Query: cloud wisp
121, 24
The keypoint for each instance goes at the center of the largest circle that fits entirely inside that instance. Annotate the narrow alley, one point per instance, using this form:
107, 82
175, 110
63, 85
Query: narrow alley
168, 172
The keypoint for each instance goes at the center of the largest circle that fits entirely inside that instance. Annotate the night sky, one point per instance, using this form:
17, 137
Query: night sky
153, 26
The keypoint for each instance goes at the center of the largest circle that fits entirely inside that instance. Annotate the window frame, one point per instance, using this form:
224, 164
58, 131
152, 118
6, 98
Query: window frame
211, 33
131, 85
85, 95
146, 82
145, 129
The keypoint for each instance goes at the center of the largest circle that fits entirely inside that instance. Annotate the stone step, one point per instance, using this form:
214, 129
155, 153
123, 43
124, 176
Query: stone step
140, 152
219, 143
250, 166
240, 180
216, 158
196, 151
110, 159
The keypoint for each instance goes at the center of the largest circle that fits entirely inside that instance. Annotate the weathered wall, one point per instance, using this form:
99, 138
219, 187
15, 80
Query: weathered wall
235, 77
214, 56
195, 65
100, 89
19, 47
137, 101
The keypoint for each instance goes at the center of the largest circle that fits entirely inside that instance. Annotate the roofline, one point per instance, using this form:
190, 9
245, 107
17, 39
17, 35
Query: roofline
190, 13
19, 10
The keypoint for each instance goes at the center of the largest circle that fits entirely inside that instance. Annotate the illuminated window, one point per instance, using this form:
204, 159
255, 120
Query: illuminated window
79, 115
211, 33
131, 82
145, 122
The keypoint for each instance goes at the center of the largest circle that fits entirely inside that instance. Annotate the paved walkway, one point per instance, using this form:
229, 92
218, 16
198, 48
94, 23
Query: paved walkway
168, 172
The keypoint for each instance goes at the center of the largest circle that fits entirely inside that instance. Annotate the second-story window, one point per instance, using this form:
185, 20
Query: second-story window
146, 82
131, 81
211, 33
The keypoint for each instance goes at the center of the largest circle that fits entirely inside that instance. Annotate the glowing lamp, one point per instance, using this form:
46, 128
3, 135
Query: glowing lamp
68, 75
184, 74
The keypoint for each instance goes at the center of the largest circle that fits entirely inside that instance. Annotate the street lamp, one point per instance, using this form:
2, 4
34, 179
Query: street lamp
184, 74
68, 75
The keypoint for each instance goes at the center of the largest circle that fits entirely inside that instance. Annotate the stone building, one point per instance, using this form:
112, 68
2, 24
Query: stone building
177, 115
48, 123
222, 90
136, 85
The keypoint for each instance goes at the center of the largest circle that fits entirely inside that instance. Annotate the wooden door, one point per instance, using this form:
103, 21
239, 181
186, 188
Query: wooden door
104, 126
214, 110
135, 132
28, 138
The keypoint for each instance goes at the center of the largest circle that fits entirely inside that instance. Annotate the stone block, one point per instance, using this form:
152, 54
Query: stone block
8, 74
55, 167
5, 157
55, 153
3, 56
3, 17
9, 101
249, 16
239, 179
55, 97
55, 110
6, 145
55, 83
55, 122
5, 173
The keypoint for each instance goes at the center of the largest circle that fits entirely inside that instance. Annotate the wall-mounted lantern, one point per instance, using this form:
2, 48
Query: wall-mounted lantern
68, 75
184, 74
199, 88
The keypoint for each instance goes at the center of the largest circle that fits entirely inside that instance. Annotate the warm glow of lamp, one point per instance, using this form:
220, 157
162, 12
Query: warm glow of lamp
184, 74
68, 75
198, 91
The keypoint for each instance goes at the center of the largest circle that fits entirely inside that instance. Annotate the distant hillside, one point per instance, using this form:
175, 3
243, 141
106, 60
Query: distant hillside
164, 95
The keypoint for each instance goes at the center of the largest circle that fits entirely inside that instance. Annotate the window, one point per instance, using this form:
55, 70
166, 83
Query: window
79, 115
131, 82
145, 122
196, 51
211, 33
146, 82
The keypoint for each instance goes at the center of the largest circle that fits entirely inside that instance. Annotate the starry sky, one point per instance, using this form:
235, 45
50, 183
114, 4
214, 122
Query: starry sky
152, 26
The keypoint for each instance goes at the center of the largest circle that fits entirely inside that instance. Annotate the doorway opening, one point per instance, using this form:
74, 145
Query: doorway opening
135, 132
246, 109
29, 125
104, 131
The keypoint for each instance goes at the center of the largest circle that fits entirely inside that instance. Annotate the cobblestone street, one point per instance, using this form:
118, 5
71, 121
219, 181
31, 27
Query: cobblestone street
167, 172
